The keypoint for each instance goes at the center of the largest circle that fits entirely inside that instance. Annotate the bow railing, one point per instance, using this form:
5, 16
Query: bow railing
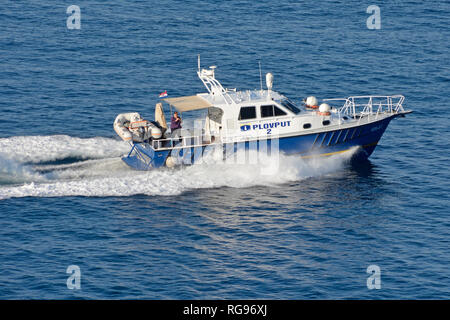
358, 107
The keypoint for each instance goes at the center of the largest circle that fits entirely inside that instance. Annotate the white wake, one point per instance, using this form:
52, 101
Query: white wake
104, 174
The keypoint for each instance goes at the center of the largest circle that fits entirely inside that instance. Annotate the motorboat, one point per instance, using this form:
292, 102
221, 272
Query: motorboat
262, 120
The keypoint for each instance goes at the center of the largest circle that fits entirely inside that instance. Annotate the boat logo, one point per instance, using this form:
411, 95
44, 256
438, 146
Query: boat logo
266, 126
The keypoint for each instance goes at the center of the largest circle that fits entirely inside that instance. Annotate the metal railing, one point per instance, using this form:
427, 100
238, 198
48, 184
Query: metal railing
359, 107
198, 141
182, 142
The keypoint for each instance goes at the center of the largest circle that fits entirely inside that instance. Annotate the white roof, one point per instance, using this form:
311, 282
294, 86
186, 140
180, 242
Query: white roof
188, 103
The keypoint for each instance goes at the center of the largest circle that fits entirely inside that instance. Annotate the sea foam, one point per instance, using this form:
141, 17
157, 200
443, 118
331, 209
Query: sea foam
109, 176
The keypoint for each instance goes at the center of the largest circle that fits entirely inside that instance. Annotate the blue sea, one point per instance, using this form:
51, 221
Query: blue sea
216, 231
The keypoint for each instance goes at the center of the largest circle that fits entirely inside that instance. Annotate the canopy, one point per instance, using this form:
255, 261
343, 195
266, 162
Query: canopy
188, 103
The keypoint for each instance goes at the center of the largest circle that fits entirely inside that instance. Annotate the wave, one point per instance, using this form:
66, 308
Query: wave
13, 172
41, 149
109, 176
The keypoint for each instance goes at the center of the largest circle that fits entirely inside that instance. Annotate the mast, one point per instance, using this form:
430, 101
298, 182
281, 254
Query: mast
213, 86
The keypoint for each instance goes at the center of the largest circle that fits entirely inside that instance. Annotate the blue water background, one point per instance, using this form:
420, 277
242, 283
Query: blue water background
306, 239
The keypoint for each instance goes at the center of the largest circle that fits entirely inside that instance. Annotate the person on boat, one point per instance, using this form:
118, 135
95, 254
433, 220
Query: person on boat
175, 122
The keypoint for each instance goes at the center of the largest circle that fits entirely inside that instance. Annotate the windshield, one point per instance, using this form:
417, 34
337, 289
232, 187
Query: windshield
290, 105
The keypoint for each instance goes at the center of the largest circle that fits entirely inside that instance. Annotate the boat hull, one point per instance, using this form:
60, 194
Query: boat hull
325, 143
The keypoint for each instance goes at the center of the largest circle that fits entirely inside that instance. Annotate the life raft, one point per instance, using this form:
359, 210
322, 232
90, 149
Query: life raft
132, 127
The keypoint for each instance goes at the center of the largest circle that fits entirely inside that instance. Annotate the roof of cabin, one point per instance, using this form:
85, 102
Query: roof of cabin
188, 103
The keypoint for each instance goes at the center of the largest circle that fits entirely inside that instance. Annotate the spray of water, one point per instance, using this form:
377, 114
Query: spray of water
104, 174
38, 149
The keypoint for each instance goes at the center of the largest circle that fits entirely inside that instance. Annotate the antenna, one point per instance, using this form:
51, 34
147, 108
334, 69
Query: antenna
198, 62
260, 75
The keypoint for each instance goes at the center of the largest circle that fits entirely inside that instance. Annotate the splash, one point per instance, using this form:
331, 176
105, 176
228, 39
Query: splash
38, 149
109, 176
13, 172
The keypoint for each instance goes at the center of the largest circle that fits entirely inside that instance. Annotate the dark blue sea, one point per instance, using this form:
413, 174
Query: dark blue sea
209, 231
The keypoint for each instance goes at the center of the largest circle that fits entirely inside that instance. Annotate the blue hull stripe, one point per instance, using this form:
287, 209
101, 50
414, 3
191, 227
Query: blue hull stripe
315, 140
331, 138
346, 135
338, 136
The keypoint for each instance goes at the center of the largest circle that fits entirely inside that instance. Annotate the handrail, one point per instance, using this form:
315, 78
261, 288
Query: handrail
180, 142
195, 141
360, 106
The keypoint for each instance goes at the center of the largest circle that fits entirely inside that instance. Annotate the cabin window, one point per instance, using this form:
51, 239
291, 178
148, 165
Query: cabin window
290, 106
278, 112
326, 122
266, 111
307, 126
345, 117
271, 111
247, 113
